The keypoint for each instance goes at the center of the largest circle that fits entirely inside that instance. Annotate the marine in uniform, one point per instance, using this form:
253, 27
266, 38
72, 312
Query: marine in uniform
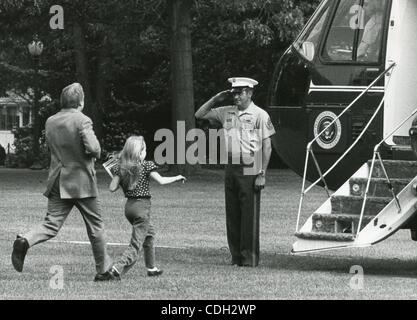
248, 130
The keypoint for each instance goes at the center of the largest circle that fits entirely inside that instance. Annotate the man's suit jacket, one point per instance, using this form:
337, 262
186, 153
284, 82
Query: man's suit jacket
74, 147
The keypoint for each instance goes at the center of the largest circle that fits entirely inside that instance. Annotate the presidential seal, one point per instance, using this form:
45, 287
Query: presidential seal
331, 137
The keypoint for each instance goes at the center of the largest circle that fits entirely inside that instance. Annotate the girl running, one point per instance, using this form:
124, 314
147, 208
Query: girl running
133, 173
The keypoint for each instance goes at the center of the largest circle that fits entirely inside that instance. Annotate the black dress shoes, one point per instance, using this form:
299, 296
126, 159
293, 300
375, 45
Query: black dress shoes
236, 261
20, 248
107, 276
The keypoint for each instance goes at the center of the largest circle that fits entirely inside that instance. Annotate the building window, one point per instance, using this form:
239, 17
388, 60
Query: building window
3, 117
9, 118
26, 116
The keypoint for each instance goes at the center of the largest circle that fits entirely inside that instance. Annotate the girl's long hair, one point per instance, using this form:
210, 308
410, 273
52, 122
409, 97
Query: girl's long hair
131, 162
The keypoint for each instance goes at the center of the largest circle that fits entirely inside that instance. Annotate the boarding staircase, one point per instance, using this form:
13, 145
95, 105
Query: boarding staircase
378, 200
338, 219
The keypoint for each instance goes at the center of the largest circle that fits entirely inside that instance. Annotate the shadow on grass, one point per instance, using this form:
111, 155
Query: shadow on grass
342, 265
280, 261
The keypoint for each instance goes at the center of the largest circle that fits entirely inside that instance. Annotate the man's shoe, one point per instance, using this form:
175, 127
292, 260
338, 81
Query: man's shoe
107, 276
20, 248
236, 261
155, 273
248, 265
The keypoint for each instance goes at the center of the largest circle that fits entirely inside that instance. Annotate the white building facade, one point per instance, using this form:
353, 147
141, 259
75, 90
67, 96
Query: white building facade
15, 112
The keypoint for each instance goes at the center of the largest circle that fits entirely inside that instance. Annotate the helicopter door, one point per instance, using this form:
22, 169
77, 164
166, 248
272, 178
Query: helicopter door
401, 89
351, 56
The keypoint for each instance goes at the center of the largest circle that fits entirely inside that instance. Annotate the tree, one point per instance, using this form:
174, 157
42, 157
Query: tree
181, 70
126, 54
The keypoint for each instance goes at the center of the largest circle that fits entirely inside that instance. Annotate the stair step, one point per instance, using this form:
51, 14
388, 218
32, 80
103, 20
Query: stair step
323, 236
377, 188
402, 140
338, 223
400, 152
341, 225
396, 169
352, 205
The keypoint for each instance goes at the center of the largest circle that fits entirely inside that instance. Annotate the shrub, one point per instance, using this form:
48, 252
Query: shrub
116, 134
23, 157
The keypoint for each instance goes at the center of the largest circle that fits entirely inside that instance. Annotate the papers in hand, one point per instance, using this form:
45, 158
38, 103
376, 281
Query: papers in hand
109, 164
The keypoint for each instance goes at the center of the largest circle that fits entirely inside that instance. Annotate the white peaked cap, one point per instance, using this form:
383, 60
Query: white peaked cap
242, 82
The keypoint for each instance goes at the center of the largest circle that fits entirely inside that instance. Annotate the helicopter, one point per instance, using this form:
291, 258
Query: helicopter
328, 66
344, 93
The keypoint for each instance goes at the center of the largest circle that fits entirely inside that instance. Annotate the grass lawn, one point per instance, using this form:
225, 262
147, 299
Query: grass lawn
192, 248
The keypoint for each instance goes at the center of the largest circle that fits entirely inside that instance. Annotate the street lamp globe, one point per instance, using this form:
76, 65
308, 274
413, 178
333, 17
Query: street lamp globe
35, 48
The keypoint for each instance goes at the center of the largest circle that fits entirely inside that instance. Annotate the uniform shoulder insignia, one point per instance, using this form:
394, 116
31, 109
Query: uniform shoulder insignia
269, 124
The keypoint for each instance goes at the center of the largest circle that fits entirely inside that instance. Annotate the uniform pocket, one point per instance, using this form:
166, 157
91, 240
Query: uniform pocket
228, 125
248, 126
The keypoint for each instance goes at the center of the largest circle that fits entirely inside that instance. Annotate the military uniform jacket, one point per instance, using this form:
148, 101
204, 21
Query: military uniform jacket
74, 147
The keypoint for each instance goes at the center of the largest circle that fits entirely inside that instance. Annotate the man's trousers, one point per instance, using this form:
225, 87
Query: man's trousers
242, 216
57, 212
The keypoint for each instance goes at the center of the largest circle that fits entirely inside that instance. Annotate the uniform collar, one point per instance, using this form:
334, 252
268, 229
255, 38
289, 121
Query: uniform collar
249, 110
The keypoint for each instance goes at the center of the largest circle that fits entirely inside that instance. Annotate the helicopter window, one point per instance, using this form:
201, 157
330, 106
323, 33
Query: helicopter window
308, 42
341, 39
369, 47
356, 32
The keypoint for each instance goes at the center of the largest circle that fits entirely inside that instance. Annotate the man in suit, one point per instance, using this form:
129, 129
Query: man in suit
71, 182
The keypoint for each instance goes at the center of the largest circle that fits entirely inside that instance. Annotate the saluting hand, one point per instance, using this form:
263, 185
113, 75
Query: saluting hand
260, 183
221, 96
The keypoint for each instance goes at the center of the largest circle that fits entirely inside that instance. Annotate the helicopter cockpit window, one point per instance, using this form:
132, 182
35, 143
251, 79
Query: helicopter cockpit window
369, 47
356, 32
308, 42
340, 42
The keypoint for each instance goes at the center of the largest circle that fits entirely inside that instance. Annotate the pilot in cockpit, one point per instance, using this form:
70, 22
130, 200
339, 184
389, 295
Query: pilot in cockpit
369, 46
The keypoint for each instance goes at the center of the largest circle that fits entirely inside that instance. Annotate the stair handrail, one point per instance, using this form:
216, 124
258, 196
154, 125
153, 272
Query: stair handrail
309, 149
310, 145
390, 185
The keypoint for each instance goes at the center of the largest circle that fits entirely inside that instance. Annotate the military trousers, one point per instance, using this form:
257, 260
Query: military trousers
57, 212
242, 216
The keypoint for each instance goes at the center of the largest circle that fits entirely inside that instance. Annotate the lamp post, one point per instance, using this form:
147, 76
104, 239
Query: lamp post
35, 49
